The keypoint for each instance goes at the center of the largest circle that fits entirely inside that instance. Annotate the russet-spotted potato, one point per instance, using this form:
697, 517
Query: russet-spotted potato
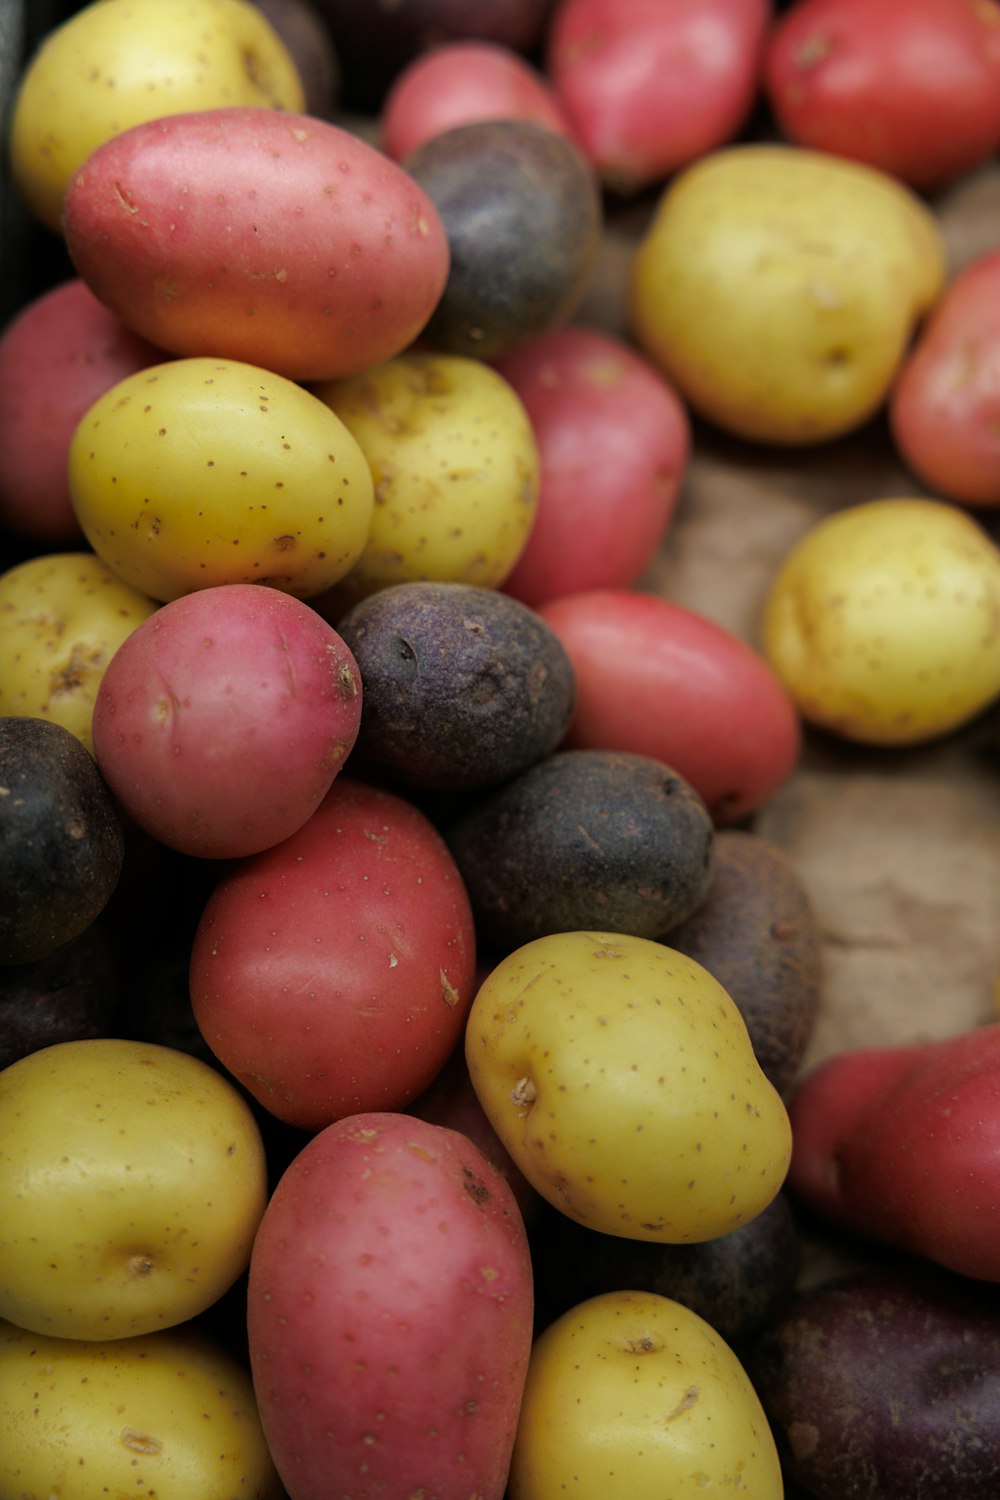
884, 621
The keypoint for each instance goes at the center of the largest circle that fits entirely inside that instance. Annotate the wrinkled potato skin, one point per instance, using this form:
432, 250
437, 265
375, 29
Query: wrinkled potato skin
882, 621
779, 289
619, 1076
117, 63
201, 472
170, 1414
633, 1394
63, 617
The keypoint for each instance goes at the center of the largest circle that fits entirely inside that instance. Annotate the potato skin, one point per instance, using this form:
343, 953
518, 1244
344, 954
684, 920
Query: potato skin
390, 1314
584, 838
756, 932
885, 1382
258, 235
464, 686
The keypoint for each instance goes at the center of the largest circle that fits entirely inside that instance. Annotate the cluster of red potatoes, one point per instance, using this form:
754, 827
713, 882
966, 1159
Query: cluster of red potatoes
402, 1021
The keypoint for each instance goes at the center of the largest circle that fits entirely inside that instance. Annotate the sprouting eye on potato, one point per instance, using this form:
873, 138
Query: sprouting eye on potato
882, 621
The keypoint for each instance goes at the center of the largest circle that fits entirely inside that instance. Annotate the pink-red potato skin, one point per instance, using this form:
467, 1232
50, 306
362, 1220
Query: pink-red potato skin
258, 235
944, 409
912, 89
649, 85
614, 441
390, 1314
335, 972
222, 720
57, 355
458, 83
654, 678
902, 1144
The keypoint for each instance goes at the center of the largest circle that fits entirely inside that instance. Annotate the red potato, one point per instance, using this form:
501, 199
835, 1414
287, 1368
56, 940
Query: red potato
334, 973
459, 82
390, 1311
649, 85
656, 679
222, 720
60, 352
912, 89
902, 1144
944, 409
258, 235
614, 441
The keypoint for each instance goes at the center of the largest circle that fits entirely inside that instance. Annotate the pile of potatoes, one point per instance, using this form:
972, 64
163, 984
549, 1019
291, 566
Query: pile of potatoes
409, 1080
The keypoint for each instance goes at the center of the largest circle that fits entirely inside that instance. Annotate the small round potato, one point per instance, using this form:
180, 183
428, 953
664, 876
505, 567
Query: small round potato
171, 1414
63, 617
201, 471
882, 621
631, 1393
116, 63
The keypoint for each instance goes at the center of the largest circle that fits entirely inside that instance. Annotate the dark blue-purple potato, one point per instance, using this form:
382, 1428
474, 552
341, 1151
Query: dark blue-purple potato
884, 1384
61, 840
522, 213
375, 39
463, 686
756, 933
737, 1283
69, 996
584, 839
307, 36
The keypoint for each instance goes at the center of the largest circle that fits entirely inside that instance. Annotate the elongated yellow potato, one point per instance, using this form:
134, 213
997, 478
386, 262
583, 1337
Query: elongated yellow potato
200, 472
621, 1079
169, 1414
633, 1394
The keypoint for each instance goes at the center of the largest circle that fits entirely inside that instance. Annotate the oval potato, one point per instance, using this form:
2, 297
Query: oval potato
200, 472
258, 235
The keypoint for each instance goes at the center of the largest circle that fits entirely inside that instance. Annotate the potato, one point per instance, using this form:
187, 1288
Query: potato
115, 63
779, 288
455, 466
885, 1382
61, 840
132, 1181
222, 721
389, 1313
633, 1394
70, 994
620, 1077
63, 616
464, 686
171, 1414
258, 235
881, 621
583, 838
200, 472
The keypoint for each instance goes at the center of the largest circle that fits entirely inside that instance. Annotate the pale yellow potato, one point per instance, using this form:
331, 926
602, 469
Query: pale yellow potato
456, 468
779, 289
62, 618
201, 471
632, 1394
117, 63
168, 1414
620, 1077
883, 622
132, 1181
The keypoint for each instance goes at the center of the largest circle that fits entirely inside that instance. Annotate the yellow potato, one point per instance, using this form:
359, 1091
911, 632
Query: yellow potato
632, 1394
117, 63
132, 1181
169, 1414
62, 618
621, 1079
779, 289
200, 472
884, 621
456, 469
